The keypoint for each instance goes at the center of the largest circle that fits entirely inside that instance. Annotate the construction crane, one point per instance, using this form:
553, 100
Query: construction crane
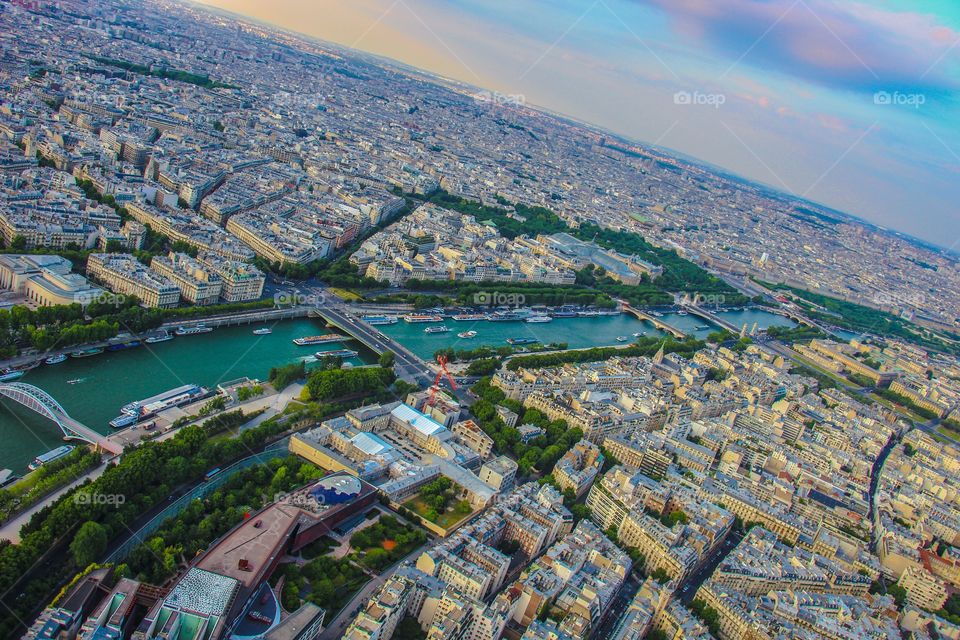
442, 361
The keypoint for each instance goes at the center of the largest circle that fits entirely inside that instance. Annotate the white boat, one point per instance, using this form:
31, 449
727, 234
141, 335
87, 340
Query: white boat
622, 338
681, 313
163, 337
57, 359
438, 329
539, 319
76, 381
190, 331
419, 317
467, 334
263, 331
311, 340
639, 334
50, 456
380, 319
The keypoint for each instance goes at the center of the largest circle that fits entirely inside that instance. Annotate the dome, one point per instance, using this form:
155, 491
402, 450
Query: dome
336, 489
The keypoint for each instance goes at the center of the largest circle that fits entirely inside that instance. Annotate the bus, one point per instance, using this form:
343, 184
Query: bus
211, 473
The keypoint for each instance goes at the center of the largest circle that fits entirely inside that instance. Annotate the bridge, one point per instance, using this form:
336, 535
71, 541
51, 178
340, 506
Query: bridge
407, 364
39, 401
656, 322
712, 318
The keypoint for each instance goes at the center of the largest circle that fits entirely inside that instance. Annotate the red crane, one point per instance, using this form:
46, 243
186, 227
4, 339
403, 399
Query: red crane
442, 361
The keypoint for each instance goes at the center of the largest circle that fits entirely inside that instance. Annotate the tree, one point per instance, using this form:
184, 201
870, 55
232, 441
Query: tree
89, 543
386, 359
19, 243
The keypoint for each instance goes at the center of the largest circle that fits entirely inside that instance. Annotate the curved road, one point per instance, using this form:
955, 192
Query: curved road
11, 529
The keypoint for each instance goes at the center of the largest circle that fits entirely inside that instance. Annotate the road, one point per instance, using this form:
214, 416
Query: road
11, 529
617, 607
408, 365
687, 589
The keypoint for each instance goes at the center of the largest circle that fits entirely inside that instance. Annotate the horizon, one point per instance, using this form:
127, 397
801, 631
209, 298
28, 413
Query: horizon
848, 153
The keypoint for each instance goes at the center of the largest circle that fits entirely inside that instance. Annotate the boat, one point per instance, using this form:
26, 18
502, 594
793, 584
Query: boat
7, 477
163, 337
124, 420
622, 338
589, 313
50, 456
262, 331
607, 312
378, 320
414, 317
172, 398
639, 334
10, 374
120, 346
703, 327
467, 334
682, 313
86, 353
335, 353
521, 341
311, 340
437, 329
567, 313
539, 319
508, 316
468, 317
57, 359
190, 331
76, 381
655, 314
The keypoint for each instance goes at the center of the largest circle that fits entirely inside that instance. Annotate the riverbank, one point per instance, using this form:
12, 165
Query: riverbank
93, 389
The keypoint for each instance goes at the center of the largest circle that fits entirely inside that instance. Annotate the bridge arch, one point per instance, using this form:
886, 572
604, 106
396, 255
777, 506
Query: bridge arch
41, 402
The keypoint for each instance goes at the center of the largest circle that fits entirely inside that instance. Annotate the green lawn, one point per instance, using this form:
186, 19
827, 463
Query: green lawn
446, 519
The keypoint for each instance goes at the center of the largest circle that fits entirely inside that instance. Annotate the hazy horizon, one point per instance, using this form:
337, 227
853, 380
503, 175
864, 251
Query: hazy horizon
852, 107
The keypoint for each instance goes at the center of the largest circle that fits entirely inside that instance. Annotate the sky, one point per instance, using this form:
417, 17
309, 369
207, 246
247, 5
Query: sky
850, 103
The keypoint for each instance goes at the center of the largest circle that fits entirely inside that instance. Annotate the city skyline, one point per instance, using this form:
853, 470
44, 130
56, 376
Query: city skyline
863, 95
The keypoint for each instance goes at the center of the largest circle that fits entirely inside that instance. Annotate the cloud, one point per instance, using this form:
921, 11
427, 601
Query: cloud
848, 46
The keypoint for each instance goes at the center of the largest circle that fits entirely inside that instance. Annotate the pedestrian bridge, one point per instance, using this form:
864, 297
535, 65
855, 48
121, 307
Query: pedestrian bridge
39, 401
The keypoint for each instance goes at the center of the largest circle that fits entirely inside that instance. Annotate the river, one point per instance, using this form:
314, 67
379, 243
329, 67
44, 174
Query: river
110, 380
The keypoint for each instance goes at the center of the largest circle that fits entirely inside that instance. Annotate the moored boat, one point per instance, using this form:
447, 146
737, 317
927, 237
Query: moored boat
190, 331
417, 317
311, 340
8, 375
57, 359
50, 456
86, 353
